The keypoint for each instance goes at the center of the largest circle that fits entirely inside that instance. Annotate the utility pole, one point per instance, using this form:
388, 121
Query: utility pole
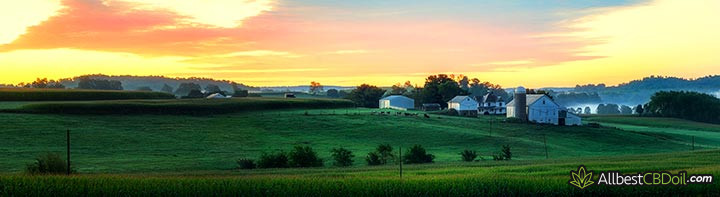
545, 142
401, 160
68, 151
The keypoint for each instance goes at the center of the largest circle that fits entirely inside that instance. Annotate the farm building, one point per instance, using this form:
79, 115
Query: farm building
464, 105
539, 108
216, 96
431, 107
398, 102
289, 95
491, 104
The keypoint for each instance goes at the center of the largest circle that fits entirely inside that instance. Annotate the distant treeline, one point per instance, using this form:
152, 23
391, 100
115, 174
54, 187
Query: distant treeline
640, 91
686, 105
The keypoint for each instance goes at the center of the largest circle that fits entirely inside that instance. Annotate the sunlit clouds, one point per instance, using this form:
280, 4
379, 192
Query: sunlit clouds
347, 43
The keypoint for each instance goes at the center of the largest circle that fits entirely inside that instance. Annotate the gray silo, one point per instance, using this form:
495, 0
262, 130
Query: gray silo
520, 103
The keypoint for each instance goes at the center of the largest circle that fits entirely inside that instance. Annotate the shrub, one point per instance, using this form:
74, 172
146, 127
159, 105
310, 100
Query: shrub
594, 125
452, 112
304, 156
273, 160
50, 163
417, 154
506, 152
373, 159
468, 155
246, 164
343, 157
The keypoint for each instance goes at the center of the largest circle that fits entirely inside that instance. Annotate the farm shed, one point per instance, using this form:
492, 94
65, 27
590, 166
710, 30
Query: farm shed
398, 102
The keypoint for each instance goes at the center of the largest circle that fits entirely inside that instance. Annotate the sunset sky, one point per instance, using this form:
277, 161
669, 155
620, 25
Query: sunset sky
269, 42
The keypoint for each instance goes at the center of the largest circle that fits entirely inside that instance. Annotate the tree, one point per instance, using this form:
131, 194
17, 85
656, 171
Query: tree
315, 87
99, 84
332, 93
246, 164
167, 88
639, 109
241, 93
47, 164
624, 109
185, 88
686, 105
587, 110
273, 160
366, 95
304, 156
417, 154
505, 153
397, 89
382, 155
468, 155
608, 109
343, 157
144, 88
195, 94
439, 89
212, 88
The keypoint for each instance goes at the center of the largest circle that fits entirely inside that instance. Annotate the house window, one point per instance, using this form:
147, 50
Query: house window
543, 102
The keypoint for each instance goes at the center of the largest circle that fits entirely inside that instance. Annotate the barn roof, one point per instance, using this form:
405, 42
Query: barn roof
458, 99
393, 97
529, 99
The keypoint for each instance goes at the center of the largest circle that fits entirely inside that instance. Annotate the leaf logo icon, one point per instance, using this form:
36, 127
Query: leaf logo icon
581, 178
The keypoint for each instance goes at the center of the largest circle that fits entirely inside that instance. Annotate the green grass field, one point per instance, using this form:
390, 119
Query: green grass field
490, 178
160, 153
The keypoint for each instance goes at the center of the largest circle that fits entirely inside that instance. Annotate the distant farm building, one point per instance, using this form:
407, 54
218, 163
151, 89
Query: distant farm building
539, 108
491, 104
289, 95
431, 107
464, 105
398, 102
216, 96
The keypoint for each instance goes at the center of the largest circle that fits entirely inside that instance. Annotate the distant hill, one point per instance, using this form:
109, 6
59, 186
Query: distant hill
639, 91
157, 82
303, 88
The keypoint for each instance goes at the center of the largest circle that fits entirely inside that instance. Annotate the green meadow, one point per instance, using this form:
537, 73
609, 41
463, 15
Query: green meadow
183, 154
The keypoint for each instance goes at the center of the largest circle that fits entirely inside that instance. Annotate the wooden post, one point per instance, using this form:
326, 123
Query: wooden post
401, 160
545, 142
693, 142
68, 151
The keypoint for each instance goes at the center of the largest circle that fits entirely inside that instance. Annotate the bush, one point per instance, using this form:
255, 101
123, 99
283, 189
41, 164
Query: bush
504, 154
373, 159
594, 125
246, 164
273, 160
468, 155
417, 154
343, 157
304, 156
47, 164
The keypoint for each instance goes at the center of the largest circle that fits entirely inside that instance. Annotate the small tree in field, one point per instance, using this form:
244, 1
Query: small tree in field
417, 154
304, 156
273, 160
468, 155
373, 159
47, 164
343, 157
246, 164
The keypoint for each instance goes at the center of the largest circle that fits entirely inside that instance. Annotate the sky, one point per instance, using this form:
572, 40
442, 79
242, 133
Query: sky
277, 42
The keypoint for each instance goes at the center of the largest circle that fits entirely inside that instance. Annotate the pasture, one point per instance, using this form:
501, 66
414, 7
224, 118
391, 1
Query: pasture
164, 152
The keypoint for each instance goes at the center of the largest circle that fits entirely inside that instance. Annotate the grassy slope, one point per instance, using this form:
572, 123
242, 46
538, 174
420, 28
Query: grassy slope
706, 135
540, 177
173, 143
33, 94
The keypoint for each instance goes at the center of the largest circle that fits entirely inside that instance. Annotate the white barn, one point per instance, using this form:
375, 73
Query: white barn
398, 102
540, 108
464, 105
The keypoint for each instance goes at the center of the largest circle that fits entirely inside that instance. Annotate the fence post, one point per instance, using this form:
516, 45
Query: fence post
401, 161
68, 151
545, 142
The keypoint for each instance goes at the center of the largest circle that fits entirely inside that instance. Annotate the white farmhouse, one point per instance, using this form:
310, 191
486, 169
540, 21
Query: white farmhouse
539, 108
398, 102
464, 105
491, 104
